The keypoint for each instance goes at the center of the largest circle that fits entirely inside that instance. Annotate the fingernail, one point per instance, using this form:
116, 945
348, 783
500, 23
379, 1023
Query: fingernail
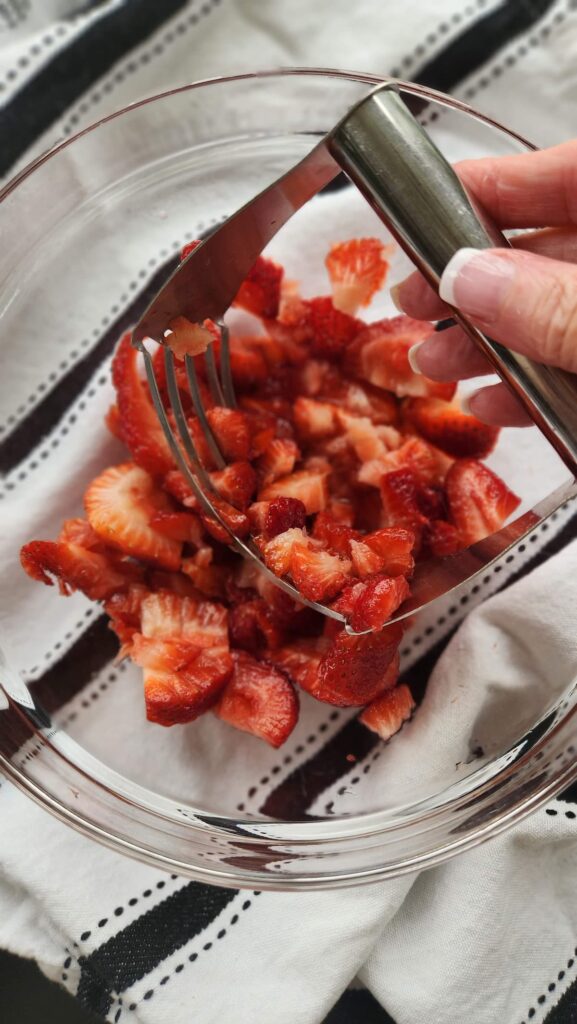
412, 356
394, 292
476, 282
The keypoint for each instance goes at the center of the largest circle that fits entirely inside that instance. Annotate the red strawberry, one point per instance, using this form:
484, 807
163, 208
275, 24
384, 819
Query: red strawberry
387, 713
399, 491
96, 574
357, 270
363, 399
231, 431
354, 670
277, 460
207, 577
120, 504
432, 502
318, 575
251, 626
235, 483
183, 526
257, 516
188, 248
368, 440
260, 291
78, 531
300, 660
441, 538
429, 464
336, 536
247, 365
332, 331
366, 561
187, 339
140, 428
377, 601
479, 501
236, 520
309, 486
260, 700
341, 511
114, 423
314, 419
278, 551
380, 355
283, 514
125, 609
450, 429
394, 545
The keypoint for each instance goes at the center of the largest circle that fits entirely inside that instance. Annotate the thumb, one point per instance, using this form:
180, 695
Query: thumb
525, 301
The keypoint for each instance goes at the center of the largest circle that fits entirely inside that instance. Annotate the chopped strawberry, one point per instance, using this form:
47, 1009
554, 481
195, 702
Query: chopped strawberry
429, 464
284, 514
377, 601
308, 485
167, 616
432, 502
445, 425
357, 269
248, 366
336, 536
354, 670
188, 248
260, 291
257, 516
301, 660
125, 609
96, 574
394, 545
318, 575
479, 501
399, 491
176, 485
389, 712
141, 430
277, 461
231, 431
207, 577
366, 561
252, 626
187, 339
79, 531
380, 355
364, 436
113, 421
235, 483
441, 538
278, 551
185, 689
332, 331
183, 526
236, 521
341, 511
270, 349
260, 700
314, 419
176, 582
120, 504
363, 399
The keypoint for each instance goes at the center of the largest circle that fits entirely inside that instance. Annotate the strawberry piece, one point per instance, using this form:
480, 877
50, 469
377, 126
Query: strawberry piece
247, 365
341, 511
399, 491
357, 269
380, 355
388, 713
336, 536
314, 419
364, 436
479, 501
354, 669
432, 503
260, 291
429, 464
318, 575
140, 428
257, 516
125, 609
441, 538
278, 551
208, 578
236, 521
378, 599
231, 431
78, 531
260, 700
366, 561
182, 526
165, 615
445, 425
363, 399
308, 485
394, 545
332, 331
252, 626
76, 568
120, 504
283, 514
277, 460
300, 660
114, 423
188, 248
235, 483
177, 486
187, 339
176, 582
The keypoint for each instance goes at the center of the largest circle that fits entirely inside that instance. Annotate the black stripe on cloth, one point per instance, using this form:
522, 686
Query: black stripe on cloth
45, 416
565, 1009
358, 1006
42, 100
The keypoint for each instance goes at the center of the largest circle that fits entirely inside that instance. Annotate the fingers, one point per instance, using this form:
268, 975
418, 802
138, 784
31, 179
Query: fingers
497, 405
450, 355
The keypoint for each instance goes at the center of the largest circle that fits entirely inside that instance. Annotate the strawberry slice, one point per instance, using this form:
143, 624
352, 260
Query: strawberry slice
182, 526
308, 485
277, 552
394, 545
479, 501
366, 561
252, 626
283, 514
441, 538
235, 483
332, 331
96, 574
388, 713
314, 419
318, 575
277, 460
140, 429
380, 355
260, 291
445, 425
185, 338
124, 609
399, 491
376, 600
357, 269
300, 660
354, 670
260, 700
120, 504
231, 431
336, 536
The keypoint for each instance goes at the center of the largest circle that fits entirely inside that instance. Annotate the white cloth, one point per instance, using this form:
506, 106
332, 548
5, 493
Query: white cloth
432, 946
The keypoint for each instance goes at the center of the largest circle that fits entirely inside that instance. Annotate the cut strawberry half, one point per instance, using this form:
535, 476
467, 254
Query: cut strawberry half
388, 713
318, 575
309, 486
314, 419
260, 291
357, 269
441, 538
355, 668
380, 355
445, 425
120, 504
283, 514
334, 535
479, 501
260, 700
141, 430
332, 331
394, 545
399, 491
235, 483
232, 433
76, 568
277, 460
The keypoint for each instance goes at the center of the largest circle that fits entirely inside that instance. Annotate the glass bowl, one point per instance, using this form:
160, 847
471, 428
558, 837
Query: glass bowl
89, 231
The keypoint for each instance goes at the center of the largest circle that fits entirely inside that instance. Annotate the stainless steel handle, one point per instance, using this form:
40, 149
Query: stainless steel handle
415, 191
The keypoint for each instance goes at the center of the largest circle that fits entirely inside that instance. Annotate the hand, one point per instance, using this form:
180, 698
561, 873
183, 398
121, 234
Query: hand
525, 298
